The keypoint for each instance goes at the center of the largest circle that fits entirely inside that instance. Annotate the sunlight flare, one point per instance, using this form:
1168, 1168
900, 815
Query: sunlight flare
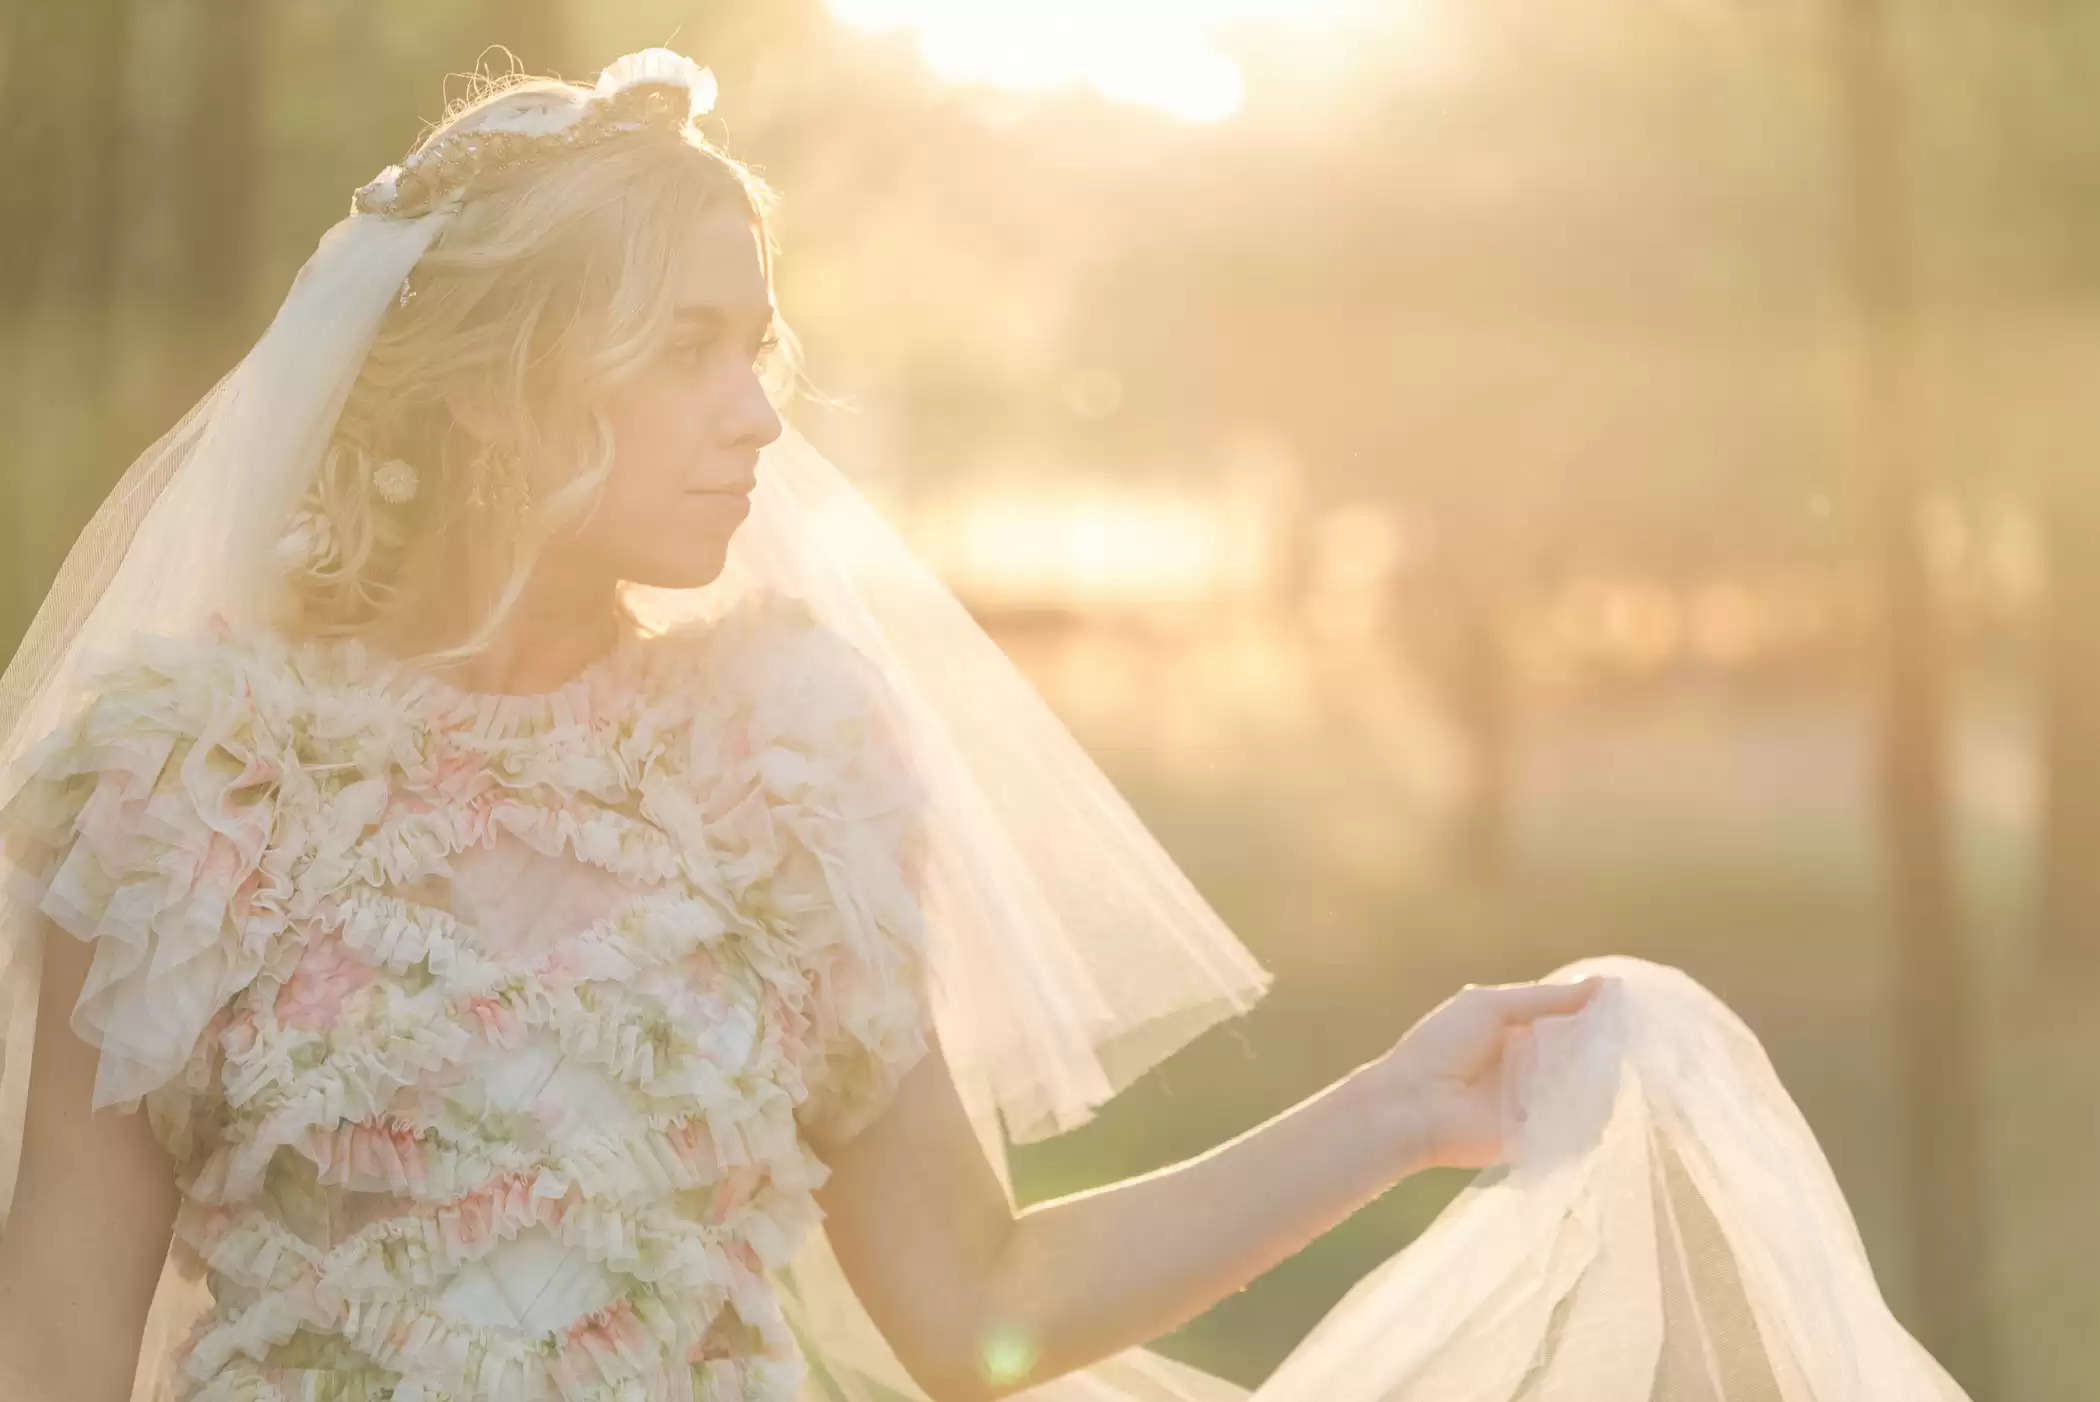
1159, 53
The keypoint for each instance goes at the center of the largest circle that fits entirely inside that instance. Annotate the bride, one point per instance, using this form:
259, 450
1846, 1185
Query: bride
521, 878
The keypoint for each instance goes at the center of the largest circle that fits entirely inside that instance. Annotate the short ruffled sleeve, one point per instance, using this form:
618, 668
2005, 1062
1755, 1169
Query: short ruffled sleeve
141, 829
824, 748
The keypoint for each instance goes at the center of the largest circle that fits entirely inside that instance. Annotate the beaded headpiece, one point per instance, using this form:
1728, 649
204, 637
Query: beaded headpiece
653, 88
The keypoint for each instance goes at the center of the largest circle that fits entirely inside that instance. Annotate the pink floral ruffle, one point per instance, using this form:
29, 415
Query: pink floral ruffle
242, 827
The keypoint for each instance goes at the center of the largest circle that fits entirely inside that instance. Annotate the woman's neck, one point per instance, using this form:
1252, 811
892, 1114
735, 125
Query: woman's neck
566, 618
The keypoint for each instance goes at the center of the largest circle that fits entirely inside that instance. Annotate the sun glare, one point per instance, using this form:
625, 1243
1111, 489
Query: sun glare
1156, 52
1095, 547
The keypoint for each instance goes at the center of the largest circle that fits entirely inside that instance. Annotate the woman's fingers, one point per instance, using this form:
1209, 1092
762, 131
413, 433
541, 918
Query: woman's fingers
1526, 1002
1500, 1009
1466, 1036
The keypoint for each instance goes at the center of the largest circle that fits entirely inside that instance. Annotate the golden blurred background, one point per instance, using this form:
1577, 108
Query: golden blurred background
1495, 482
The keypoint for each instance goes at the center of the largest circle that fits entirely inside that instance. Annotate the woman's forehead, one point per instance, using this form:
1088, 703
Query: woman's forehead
720, 270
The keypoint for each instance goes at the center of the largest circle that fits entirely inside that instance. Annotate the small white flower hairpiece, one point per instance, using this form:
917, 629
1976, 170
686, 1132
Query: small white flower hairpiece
395, 481
659, 68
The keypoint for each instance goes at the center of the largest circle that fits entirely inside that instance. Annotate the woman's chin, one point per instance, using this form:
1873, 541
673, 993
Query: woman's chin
682, 579
690, 571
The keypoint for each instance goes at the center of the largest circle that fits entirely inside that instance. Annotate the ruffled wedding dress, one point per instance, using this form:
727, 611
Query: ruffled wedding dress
486, 1033
483, 1029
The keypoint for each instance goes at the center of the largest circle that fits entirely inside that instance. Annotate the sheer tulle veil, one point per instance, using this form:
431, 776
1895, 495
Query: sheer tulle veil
1669, 1228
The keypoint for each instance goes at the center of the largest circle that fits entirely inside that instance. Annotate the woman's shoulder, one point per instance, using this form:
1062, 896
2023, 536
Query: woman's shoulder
180, 751
176, 731
130, 708
176, 716
186, 681
748, 625
141, 824
772, 680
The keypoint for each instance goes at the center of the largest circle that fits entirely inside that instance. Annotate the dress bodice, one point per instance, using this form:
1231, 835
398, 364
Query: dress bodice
490, 1035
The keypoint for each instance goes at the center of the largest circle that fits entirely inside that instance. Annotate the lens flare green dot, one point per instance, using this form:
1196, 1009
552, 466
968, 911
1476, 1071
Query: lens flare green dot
1005, 1354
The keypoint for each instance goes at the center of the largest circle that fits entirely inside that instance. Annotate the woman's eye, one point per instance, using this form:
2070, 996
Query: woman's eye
695, 352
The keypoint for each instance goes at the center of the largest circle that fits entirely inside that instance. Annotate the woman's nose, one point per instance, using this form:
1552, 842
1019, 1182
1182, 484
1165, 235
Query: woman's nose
755, 421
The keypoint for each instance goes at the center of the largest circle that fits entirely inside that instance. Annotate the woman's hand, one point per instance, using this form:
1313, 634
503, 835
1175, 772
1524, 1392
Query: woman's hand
1449, 1070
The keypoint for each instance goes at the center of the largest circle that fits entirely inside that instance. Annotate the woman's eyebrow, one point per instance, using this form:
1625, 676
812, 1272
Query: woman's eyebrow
708, 313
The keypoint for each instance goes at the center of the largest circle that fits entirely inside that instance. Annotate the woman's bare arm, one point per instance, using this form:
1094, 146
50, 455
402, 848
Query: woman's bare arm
94, 1208
978, 1301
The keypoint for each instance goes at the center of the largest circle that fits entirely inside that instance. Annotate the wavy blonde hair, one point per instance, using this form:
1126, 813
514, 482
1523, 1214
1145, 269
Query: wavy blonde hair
544, 291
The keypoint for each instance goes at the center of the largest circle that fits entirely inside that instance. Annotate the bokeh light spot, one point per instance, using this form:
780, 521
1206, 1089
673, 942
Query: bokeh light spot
1006, 1354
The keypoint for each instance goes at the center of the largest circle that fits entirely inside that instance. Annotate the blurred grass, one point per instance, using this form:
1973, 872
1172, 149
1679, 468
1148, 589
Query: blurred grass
1718, 829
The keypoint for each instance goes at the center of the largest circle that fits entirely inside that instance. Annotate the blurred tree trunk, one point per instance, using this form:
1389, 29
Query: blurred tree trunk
1462, 641
2053, 67
90, 261
66, 209
33, 137
222, 190
1933, 1017
1483, 695
2070, 894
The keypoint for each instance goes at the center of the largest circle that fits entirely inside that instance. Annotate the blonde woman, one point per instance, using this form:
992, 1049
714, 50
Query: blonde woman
518, 947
